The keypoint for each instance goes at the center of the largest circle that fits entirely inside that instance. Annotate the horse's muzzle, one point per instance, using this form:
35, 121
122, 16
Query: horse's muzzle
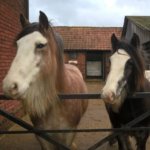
108, 97
10, 88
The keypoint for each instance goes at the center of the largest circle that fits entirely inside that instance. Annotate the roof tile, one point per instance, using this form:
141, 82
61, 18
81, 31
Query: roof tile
87, 38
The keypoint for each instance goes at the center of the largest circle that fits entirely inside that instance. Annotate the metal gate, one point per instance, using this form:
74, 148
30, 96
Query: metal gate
43, 133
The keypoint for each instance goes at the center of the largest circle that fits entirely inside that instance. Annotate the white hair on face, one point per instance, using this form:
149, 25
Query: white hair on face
118, 62
147, 75
24, 67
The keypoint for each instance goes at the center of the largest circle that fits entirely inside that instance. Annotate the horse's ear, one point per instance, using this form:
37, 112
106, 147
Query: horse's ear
23, 20
114, 42
43, 21
135, 41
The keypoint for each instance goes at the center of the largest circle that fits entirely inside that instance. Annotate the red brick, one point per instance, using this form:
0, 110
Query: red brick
9, 28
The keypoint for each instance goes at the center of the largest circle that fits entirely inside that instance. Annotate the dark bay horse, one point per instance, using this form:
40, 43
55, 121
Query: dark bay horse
127, 76
38, 74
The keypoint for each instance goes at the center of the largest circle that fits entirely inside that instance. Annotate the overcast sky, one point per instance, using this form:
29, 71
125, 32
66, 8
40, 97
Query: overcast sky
88, 12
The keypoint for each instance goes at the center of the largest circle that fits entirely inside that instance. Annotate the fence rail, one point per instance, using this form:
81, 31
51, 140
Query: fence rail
127, 129
87, 96
91, 96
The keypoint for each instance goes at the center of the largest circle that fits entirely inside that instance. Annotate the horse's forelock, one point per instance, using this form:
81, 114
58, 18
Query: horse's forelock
31, 27
27, 30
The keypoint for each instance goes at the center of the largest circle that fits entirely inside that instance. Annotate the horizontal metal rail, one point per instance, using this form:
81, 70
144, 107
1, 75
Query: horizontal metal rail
66, 96
77, 130
31, 128
113, 135
87, 96
44, 135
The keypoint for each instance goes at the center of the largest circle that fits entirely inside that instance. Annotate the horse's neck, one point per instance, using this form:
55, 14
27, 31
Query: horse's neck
60, 80
129, 90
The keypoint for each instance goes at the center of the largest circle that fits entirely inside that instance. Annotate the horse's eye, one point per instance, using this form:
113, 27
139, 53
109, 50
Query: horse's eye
129, 64
40, 45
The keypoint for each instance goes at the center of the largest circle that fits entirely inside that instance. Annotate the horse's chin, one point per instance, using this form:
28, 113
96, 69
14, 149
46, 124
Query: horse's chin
19, 96
22, 95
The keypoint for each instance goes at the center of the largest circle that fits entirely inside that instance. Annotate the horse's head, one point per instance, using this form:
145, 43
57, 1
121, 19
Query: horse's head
126, 70
32, 48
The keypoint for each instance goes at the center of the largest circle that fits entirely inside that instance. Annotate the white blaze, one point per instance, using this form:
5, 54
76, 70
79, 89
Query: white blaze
147, 75
24, 67
110, 92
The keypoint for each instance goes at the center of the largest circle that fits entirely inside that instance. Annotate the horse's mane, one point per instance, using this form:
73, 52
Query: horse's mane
138, 77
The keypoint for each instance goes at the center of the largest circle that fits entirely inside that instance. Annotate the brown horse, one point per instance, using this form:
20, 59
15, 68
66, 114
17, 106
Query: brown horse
38, 74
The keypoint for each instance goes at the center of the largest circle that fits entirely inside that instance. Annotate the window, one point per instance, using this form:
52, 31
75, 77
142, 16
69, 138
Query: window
94, 68
94, 65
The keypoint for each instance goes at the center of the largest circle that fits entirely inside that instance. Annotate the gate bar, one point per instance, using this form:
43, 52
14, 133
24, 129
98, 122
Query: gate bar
76, 130
113, 135
66, 96
86, 96
29, 127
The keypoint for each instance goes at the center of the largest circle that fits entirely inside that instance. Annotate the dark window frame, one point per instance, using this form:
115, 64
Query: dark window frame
95, 56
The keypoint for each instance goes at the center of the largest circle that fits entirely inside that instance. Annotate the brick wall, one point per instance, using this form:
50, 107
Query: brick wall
81, 56
81, 63
84, 39
9, 27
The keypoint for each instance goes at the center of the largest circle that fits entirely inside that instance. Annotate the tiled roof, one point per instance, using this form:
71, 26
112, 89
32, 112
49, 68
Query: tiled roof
87, 38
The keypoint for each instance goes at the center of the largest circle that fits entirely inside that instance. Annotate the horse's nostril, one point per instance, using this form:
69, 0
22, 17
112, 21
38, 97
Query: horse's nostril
108, 97
111, 96
14, 88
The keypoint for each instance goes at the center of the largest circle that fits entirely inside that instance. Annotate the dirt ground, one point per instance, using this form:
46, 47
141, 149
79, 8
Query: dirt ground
95, 117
